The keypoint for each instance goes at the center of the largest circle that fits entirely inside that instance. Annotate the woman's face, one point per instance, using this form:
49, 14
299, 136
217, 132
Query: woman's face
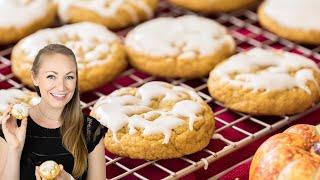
56, 79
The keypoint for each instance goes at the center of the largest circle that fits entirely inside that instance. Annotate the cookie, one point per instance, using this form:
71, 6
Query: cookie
49, 170
99, 52
213, 6
187, 46
20, 18
20, 100
19, 111
155, 121
114, 14
296, 20
266, 82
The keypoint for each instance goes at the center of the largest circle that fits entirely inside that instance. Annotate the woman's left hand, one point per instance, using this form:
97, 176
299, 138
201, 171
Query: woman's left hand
62, 176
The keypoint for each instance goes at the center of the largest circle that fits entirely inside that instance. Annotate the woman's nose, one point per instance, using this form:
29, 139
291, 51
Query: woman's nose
61, 84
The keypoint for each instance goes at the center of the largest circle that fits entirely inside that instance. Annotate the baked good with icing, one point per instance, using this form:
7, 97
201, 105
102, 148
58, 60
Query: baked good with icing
266, 82
20, 18
296, 20
114, 14
213, 6
19, 100
155, 121
291, 155
190, 47
49, 170
19, 111
99, 52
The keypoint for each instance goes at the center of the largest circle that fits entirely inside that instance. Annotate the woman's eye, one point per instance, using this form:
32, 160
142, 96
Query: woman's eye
70, 77
50, 77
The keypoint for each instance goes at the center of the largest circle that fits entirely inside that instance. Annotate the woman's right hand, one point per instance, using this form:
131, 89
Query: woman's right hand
15, 136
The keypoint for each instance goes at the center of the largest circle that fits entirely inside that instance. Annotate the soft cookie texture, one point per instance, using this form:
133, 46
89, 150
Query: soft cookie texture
99, 52
187, 46
213, 6
155, 121
19, 100
20, 18
266, 82
296, 20
114, 14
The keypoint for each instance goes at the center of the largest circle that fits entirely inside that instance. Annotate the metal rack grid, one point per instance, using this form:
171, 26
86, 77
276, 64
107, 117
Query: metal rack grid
233, 129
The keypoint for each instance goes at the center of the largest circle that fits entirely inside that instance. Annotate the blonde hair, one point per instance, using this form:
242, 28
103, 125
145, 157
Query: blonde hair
72, 133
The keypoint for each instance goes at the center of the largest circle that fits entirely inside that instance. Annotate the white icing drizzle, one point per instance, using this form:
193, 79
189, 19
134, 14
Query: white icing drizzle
19, 13
14, 96
90, 42
35, 101
21, 109
169, 92
48, 167
105, 8
164, 124
9, 96
302, 14
274, 74
205, 162
117, 110
189, 36
187, 108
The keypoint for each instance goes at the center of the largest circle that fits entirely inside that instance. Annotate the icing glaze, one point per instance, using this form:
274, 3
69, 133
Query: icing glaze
135, 110
20, 111
185, 37
268, 70
10, 96
302, 14
19, 13
105, 8
90, 42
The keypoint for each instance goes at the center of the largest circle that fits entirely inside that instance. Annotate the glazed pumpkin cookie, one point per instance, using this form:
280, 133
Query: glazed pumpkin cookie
296, 20
114, 14
19, 100
155, 121
187, 47
266, 82
20, 18
213, 6
100, 54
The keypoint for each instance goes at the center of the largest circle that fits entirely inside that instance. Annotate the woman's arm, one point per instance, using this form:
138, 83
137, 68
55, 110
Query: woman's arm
97, 163
3, 155
10, 167
11, 147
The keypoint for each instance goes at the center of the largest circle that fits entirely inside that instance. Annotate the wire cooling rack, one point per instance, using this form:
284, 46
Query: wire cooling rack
233, 129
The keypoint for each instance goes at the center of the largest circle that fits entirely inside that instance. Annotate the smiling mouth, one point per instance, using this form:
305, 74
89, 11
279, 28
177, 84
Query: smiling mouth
58, 96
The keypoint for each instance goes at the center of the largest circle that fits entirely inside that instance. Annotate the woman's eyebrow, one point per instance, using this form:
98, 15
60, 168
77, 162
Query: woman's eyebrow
52, 72
58, 73
70, 72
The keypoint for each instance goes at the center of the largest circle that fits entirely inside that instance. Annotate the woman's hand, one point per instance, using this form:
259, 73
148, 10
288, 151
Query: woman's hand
62, 176
15, 136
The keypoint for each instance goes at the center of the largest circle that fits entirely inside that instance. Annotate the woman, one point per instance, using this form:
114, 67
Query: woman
55, 129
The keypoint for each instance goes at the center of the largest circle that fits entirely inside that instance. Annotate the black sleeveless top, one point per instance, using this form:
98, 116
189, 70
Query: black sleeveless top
43, 144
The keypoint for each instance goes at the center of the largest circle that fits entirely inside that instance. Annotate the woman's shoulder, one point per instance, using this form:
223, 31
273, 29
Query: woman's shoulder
89, 119
94, 131
90, 124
